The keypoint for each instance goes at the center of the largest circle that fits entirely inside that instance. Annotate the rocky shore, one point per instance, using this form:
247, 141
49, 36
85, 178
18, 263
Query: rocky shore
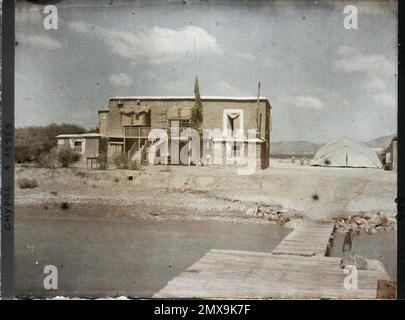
366, 222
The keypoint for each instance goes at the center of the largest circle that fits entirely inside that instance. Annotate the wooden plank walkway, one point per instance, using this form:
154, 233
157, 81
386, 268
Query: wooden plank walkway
239, 274
297, 268
310, 238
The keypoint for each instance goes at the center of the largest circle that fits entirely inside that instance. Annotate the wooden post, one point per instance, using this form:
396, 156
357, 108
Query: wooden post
386, 289
189, 152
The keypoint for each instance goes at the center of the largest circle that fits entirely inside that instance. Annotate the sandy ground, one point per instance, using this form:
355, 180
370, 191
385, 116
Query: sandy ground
102, 248
207, 192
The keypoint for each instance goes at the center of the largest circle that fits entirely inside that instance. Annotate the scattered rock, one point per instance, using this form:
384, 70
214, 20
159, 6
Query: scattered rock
365, 222
283, 220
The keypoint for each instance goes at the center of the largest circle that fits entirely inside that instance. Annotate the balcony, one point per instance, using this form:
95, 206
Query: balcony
136, 132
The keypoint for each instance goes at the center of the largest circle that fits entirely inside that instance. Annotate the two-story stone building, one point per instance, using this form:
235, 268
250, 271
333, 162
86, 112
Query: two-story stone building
232, 127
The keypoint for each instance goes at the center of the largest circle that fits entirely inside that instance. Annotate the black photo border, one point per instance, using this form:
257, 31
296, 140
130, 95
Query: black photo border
7, 151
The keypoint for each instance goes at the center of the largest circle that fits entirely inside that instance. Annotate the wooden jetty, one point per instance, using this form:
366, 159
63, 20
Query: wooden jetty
297, 268
308, 239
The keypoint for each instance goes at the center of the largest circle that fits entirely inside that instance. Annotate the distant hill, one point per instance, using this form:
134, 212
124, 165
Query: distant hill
305, 148
291, 148
380, 142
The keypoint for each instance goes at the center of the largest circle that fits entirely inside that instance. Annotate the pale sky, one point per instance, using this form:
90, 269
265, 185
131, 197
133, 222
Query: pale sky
323, 81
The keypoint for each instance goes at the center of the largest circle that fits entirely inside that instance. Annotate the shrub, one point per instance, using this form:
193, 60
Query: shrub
121, 161
166, 169
27, 183
48, 159
103, 161
31, 142
135, 165
80, 174
67, 157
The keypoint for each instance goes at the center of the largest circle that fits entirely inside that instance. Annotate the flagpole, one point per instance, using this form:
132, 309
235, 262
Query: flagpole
257, 109
195, 57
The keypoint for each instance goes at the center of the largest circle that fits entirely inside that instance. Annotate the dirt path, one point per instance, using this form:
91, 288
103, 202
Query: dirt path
316, 193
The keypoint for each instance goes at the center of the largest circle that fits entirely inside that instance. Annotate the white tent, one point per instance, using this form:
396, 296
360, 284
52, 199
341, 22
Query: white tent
346, 153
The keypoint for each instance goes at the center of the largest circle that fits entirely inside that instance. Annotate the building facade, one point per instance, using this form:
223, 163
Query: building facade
391, 154
233, 130
86, 144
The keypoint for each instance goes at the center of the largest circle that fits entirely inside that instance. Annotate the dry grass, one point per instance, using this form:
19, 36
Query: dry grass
27, 183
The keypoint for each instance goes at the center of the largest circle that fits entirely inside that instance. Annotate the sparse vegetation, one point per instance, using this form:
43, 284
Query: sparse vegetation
48, 159
121, 161
27, 183
66, 157
124, 162
135, 165
80, 174
32, 142
103, 161
166, 169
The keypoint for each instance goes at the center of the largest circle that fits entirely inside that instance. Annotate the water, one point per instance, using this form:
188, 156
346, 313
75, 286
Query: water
136, 257
381, 246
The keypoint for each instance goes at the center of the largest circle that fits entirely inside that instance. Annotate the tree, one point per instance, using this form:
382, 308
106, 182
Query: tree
197, 116
31, 142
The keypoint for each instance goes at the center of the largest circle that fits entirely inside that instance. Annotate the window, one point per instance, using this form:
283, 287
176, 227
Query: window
141, 119
233, 123
126, 119
236, 150
78, 146
182, 123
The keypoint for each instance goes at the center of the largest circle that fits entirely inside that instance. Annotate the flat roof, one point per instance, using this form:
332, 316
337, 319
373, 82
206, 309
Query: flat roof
80, 135
235, 139
188, 98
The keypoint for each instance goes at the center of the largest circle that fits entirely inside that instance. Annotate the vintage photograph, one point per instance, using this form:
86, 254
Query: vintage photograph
206, 149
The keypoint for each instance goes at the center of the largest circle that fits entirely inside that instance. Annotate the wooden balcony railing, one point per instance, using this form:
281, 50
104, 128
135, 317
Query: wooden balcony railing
136, 132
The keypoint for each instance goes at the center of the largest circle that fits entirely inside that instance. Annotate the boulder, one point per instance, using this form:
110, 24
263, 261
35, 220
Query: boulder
354, 260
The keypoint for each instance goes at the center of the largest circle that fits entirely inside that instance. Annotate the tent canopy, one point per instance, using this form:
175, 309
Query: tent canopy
346, 153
